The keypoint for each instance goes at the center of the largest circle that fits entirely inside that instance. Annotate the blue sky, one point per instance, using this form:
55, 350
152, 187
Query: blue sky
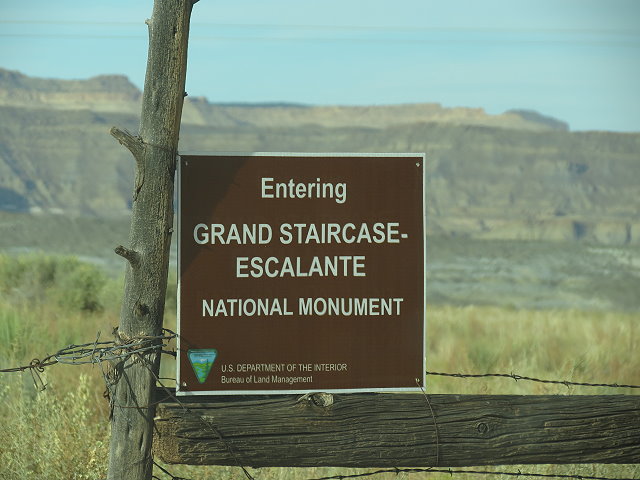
577, 60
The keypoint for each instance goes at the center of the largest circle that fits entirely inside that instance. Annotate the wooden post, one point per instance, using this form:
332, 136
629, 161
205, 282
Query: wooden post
389, 430
155, 150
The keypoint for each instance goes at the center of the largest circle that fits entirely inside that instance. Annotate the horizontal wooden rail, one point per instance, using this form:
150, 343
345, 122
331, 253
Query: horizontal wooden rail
386, 430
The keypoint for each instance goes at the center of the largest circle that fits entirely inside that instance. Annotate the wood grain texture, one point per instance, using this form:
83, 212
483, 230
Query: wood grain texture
386, 430
155, 150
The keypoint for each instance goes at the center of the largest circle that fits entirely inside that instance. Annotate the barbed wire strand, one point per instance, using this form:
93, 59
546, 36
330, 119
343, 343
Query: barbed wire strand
35, 364
165, 471
452, 472
516, 377
97, 355
94, 352
435, 423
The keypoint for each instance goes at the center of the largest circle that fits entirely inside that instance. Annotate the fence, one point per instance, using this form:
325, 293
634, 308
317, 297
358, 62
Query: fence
428, 432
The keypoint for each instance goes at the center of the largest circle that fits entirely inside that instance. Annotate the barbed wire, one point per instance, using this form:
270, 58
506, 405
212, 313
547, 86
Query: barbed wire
35, 364
165, 471
122, 347
513, 376
435, 422
452, 472
99, 351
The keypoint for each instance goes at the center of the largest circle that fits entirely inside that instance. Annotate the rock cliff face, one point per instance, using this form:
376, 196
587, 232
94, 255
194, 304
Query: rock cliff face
199, 112
108, 93
519, 175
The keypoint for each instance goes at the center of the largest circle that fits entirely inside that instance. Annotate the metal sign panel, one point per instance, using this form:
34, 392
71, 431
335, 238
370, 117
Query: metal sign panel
300, 273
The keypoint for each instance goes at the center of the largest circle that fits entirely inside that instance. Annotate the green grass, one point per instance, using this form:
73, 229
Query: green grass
53, 435
63, 431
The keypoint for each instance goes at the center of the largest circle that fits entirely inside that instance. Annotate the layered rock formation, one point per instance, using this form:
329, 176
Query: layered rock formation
518, 175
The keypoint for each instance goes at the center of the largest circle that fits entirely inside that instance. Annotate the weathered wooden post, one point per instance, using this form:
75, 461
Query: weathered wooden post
155, 150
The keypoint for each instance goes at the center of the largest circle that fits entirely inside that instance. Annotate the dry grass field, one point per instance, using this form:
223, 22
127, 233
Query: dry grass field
62, 432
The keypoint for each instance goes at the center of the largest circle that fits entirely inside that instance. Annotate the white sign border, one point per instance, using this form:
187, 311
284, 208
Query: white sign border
418, 388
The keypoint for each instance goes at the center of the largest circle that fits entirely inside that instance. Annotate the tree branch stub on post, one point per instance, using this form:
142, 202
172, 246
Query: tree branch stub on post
133, 143
130, 255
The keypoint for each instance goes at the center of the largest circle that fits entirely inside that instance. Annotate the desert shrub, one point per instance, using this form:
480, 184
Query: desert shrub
110, 295
37, 278
79, 286
27, 277
52, 435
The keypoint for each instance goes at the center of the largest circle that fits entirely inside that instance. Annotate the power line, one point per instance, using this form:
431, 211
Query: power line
350, 28
70, 36
298, 39
374, 34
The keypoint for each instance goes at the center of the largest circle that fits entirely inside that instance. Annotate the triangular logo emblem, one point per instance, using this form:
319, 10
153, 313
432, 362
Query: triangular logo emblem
201, 361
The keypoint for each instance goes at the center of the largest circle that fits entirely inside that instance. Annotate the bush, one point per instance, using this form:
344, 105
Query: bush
79, 287
52, 436
36, 278
27, 277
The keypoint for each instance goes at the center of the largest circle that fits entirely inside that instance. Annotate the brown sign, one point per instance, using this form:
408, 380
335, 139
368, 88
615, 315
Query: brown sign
301, 272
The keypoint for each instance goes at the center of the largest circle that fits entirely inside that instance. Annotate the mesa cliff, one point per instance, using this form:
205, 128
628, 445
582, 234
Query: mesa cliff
517, 175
